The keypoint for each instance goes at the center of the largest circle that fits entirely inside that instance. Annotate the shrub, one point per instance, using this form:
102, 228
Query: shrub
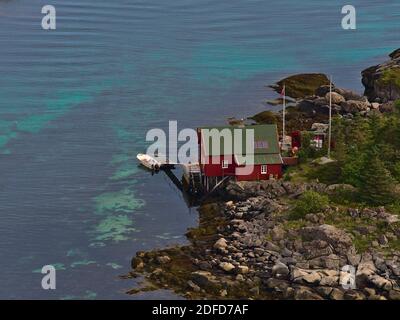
309, 202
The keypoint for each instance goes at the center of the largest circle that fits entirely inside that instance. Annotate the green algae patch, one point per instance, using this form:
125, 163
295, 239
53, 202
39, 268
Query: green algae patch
57, 266
123, 201
114, 265
124, 172
115, 228
82, 263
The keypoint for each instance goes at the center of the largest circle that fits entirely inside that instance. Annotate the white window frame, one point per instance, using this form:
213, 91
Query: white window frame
264, 169
225, 164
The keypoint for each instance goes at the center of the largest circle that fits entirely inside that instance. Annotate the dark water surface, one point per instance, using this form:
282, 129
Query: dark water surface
76, 103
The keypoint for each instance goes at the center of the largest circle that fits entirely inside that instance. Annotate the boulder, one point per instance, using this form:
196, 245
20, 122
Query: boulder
305, 293
280, 270
163, 259
203, 278
336, 97
354, 106
277, 233
221, 244
337, 238
227, 266
382, 81
243, 269
302, 85
340, 187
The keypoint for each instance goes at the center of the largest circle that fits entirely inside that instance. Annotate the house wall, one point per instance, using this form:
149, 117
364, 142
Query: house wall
215, 170
274, 169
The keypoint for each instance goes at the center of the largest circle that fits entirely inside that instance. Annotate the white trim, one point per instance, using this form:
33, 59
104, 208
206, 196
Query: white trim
225, 164
264, 169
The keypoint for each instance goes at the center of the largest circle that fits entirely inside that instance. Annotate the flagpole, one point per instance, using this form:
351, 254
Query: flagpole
330, 118
283, 117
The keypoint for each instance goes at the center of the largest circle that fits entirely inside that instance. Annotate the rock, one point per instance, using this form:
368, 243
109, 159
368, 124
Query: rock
383, 241
368, 213
375, 105
277, 233
221, 244
276, 284
354, 106
137, 263
304, 293
387, 107
193, 286
365, 270
322, 91
163, 259
265, 117
229, 204
395, 54
239, 277
351, 95
226, 266
336, 97
302, 85
340, 187
271, 246
353, 295
312, 278
381, 282
255, 290
337, 238
337, 294
321, 127
243, 269
223, 293
280, 270
383, 81
394, 295
202, 278
353, 259
330, 281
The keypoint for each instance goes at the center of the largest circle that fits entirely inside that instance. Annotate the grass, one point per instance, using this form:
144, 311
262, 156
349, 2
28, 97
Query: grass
391, 76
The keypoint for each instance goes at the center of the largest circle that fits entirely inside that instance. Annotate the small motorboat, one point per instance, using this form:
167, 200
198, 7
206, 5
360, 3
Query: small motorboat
148, 161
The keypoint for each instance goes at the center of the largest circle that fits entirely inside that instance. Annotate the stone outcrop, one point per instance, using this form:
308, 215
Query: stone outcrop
382, 82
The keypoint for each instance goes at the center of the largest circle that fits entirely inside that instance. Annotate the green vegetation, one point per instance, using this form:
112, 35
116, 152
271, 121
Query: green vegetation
391, 77
309, 202
366, 154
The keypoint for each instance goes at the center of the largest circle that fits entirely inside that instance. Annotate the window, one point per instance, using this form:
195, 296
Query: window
224, 164
264, 169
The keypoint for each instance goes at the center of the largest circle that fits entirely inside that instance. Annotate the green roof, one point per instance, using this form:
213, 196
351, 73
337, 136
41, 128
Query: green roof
265, 142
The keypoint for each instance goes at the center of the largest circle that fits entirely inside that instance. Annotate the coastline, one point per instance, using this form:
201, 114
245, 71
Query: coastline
247, 246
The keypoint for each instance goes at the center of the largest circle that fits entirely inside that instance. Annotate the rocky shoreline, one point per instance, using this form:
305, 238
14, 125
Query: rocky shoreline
248, 246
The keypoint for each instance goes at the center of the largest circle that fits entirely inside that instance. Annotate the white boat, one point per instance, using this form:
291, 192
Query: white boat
148, 161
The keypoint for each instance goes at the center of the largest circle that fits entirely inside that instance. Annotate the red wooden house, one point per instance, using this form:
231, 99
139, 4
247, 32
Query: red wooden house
217, 162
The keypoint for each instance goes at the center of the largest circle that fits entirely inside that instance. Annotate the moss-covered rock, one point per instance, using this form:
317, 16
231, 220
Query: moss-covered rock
382, 82
302, 85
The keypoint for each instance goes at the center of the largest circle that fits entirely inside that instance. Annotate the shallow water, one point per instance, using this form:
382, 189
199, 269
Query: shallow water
75, 104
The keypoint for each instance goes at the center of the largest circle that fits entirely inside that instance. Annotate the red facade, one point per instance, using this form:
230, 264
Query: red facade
212, 166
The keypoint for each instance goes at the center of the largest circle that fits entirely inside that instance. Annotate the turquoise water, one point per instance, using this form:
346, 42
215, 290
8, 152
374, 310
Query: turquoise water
75, 105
